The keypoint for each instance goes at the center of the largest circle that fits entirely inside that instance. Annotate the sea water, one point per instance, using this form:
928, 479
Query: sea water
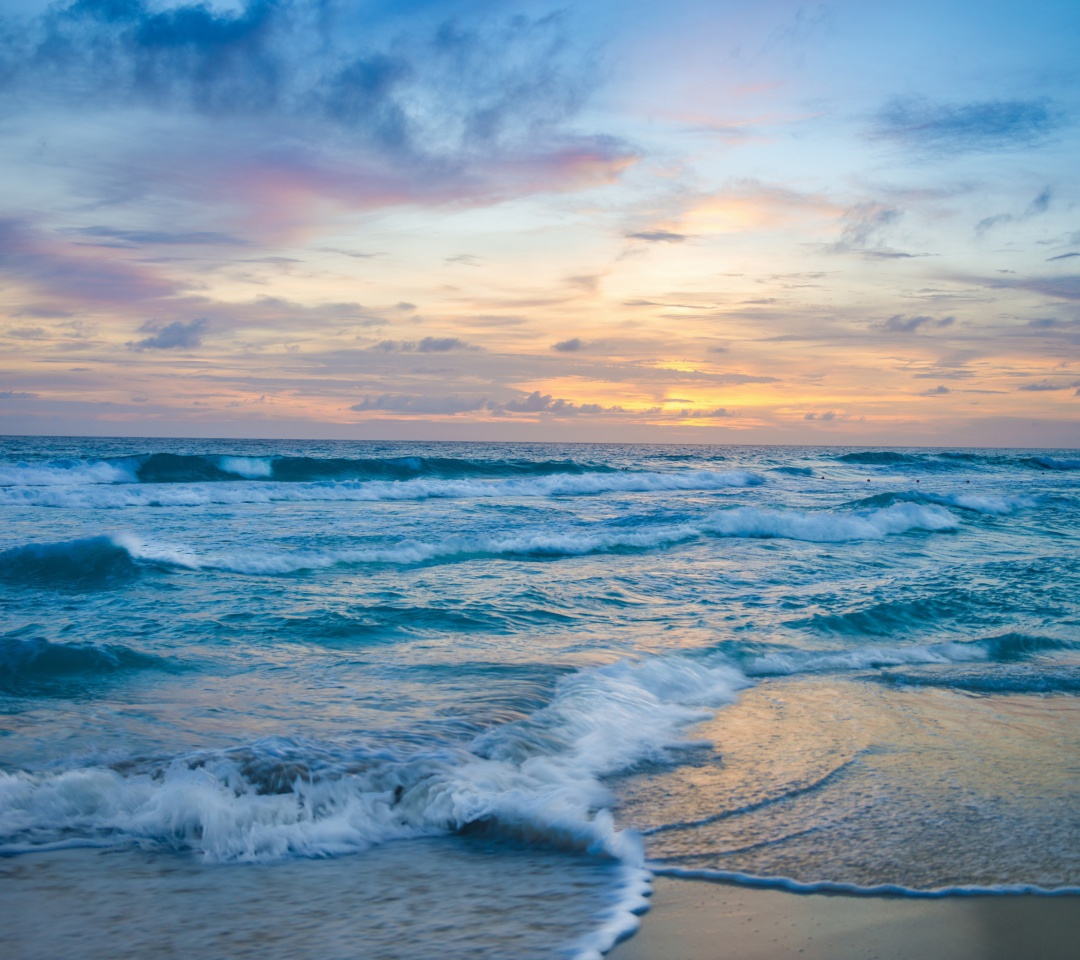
461, 700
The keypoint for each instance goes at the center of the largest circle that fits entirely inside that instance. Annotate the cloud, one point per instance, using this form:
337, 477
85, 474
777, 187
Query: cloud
828, 415
1039, 205
427, 345
1046, 386
864, 226
525, 403
112, 237
406, 403
170, 336
718, 413
41, 261
569, 346
1062, 256
965, 127
1064, 287
338, 96
658, 236
536, 402
903, 324
939, 391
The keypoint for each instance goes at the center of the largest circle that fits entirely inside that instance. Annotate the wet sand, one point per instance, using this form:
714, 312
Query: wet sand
698, 920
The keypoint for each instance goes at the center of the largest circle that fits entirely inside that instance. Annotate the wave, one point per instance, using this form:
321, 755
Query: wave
196, 468
26, 665
1003, 648
1050, 463
991, 506
853, 889
878, 457
794, 471
740, 522
92, 563
201, 494
537, 778
1015, 680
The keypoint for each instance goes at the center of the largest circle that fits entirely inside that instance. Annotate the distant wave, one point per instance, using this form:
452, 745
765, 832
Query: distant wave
993, 506
203, 468
179, 494
876, 457
1049, 463
29, 664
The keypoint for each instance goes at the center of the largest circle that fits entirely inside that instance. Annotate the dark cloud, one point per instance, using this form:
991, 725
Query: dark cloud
1064, 287
1062, 256
569, 346
536, 402
426, 345
405, 403
939, 391
658, 236
530, 403
828, 415
111, 237
717, 414
1046, 386
170, 336
903, 324
966, 127
410, 89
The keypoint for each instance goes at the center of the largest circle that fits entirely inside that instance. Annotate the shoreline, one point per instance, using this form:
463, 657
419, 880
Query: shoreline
696, 919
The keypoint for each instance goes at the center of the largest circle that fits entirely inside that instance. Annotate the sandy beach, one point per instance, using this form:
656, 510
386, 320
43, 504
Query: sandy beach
696, 920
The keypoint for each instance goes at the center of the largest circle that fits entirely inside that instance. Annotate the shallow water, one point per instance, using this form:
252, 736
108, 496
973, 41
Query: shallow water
562, 662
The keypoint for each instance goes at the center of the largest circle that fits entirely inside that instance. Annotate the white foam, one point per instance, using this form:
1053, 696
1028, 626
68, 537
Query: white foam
863, 658
251, 468
987, 505
742, 522
536, 777
64, 473
829, 527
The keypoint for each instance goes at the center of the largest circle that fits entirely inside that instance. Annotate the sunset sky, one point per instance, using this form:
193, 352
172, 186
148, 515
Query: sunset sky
748, 222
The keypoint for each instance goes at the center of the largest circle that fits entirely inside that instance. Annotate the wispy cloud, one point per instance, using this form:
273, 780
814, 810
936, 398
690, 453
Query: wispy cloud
899, 323
658, 236
1038, 206
966, 127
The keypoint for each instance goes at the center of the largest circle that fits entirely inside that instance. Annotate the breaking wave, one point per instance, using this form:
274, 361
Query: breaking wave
740, 522
178, 494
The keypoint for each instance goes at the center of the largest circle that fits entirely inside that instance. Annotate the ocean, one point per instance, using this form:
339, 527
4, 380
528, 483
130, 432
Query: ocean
403, 700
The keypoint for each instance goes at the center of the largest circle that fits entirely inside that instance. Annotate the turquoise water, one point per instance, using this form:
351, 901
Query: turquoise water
528, 675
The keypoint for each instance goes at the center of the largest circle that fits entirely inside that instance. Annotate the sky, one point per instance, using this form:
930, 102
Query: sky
690, 222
